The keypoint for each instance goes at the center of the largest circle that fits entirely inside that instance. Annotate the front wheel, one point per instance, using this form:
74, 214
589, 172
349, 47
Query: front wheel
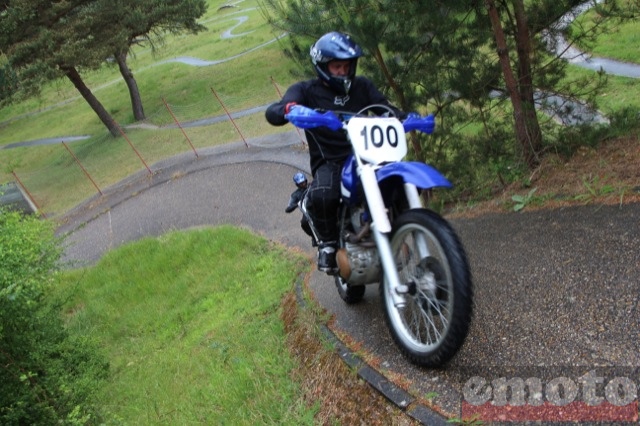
431, 262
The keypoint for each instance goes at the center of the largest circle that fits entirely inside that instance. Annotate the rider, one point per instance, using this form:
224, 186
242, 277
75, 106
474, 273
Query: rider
301, 184
334, 57
300, 179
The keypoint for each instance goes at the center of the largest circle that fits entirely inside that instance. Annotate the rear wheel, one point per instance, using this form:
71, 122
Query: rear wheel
349, 293
433, 324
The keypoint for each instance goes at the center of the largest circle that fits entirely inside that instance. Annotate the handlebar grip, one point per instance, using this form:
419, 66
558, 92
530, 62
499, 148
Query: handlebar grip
424, 124
307, 118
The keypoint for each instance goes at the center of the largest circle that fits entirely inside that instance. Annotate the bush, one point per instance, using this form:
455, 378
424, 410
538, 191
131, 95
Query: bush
47, 375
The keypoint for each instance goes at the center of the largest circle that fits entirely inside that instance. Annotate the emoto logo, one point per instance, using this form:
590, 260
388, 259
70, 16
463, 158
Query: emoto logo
561, 399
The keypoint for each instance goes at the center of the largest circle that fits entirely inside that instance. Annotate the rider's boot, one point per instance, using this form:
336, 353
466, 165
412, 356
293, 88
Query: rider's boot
327, 257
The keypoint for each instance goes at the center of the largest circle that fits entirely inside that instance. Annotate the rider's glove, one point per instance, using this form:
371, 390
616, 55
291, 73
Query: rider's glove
413, 115
287, 107
289, 209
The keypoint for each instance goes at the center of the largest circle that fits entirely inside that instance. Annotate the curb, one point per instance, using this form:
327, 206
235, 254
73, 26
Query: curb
403, 400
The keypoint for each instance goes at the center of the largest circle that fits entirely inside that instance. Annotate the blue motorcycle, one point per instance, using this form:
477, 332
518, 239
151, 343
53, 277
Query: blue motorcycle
388, 237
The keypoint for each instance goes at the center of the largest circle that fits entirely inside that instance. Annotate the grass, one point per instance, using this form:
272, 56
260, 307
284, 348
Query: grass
618, 41
201, 326
191, 325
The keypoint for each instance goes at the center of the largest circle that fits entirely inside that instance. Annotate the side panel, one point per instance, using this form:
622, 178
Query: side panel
349, 184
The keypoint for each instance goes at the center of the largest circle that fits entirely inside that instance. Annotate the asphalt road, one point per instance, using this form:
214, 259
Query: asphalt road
556, 292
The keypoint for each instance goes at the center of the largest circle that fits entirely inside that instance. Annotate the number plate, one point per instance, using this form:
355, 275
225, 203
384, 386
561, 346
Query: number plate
377, 139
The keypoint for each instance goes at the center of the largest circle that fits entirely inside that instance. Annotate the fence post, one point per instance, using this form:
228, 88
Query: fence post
178, 124
82, 167
132, 147
230, 118
33, 200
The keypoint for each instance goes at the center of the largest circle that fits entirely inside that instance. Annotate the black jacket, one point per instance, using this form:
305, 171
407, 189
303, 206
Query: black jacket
324, 144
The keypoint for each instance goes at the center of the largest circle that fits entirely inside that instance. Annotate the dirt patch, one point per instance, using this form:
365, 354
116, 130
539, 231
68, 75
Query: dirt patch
607, 175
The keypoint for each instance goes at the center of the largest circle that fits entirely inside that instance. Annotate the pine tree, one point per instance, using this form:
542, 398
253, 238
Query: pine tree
457, 59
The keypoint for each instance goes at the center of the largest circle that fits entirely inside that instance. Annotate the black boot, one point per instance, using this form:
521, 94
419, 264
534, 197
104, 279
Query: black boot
327, 258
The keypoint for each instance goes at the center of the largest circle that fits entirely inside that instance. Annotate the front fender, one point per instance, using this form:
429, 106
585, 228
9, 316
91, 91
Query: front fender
421, 175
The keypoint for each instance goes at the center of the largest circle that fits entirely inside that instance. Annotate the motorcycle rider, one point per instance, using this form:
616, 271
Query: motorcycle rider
336, 88
300, 179
301, 184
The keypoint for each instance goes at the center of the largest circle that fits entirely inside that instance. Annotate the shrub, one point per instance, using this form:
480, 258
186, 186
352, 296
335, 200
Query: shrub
47, 375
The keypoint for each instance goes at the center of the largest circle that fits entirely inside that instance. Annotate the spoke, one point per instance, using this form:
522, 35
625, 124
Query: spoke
428, 317
425, 318
436, 306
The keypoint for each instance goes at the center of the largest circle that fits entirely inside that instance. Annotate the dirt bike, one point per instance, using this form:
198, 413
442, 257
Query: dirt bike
387, 237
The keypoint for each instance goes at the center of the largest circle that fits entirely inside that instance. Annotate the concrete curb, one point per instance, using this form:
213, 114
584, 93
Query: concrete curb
400, 398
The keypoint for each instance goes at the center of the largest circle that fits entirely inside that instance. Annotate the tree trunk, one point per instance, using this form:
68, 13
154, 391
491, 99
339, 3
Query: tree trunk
73, 75
520, 115
134, 92
527, 91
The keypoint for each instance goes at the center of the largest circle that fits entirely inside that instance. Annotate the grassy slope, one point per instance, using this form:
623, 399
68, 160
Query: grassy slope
189, 341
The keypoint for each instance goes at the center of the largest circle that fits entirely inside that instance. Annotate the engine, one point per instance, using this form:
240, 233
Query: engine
359, 265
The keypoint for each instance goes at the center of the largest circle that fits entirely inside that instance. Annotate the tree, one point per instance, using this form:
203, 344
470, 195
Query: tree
520, 88
47, 40
452, 58
145, 23
8, 82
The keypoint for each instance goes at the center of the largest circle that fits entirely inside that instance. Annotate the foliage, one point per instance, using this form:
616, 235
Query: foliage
432, 57
8, 82
521, 201
47, 376
47, 42
594, 189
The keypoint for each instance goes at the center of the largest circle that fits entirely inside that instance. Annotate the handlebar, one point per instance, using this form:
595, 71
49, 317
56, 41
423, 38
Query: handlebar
307, 118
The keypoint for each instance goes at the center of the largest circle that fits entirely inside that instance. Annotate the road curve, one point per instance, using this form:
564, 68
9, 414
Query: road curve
556, 291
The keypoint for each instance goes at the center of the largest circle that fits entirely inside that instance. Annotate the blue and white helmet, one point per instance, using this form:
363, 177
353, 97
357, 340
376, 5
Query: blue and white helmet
331, 46
299, 178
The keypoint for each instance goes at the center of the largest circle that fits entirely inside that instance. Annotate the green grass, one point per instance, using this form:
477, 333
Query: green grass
190, 323
50, 173
620, 92
619, 41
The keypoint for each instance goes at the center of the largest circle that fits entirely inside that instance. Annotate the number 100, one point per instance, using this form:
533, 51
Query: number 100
378, 136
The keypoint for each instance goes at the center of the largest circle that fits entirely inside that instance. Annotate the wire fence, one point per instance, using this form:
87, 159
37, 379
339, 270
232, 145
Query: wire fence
77, 171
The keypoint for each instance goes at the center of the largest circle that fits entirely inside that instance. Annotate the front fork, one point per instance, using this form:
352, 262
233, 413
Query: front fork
382, 230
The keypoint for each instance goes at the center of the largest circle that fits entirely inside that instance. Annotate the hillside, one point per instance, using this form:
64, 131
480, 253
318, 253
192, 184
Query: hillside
608, 174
